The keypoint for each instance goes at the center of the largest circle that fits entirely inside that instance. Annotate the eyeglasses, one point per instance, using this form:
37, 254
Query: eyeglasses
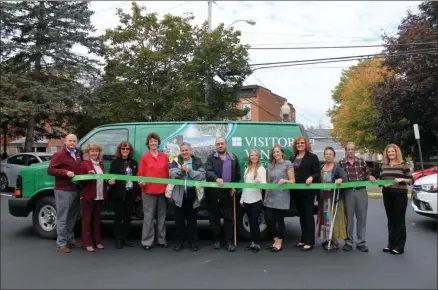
125, 149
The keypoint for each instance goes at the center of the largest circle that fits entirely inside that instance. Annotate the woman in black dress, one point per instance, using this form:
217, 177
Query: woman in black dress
123, 193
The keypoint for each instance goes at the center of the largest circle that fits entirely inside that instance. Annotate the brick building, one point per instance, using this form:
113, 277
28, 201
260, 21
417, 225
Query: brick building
263, 105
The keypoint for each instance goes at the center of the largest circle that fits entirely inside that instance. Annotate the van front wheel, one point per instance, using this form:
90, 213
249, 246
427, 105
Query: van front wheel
44, 217
243, 225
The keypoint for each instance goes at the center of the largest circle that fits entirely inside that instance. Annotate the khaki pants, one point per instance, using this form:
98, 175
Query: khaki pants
154, 203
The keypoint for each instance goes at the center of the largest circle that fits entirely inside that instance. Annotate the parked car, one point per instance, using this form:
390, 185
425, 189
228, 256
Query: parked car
428, 171
34, 190
11, 166
424, 196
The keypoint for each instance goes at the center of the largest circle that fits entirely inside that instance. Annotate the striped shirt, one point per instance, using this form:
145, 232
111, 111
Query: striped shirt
391, 172
358, 171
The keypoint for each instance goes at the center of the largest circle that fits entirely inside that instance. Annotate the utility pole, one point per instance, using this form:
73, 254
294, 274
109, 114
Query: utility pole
207, 82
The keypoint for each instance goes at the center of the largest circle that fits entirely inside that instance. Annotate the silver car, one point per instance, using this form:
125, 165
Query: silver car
10, 166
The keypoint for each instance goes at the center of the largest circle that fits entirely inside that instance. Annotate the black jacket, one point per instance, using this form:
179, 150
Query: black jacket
214, 166
118, 190
309, 166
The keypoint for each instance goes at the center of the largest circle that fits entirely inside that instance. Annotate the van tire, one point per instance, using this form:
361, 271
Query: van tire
44, 218
243, 225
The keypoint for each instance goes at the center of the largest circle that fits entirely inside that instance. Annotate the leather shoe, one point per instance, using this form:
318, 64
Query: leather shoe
194, 247
231, 247
362, 248
178, 248
74, 245
119, 245
165, 245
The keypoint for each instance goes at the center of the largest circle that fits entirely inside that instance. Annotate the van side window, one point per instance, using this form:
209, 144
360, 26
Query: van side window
108, 139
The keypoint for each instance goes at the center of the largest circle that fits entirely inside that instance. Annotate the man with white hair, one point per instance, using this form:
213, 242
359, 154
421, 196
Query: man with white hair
356, 199
64, 164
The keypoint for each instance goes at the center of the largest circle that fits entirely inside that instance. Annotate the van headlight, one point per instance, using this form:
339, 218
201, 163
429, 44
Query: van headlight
433, 188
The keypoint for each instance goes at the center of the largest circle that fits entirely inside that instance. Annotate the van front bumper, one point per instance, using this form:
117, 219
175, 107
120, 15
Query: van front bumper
18, 207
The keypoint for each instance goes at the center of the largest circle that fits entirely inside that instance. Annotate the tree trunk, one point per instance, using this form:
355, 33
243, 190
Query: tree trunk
29, 132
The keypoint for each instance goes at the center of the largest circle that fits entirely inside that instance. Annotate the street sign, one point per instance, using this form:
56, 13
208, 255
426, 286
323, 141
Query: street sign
416, 132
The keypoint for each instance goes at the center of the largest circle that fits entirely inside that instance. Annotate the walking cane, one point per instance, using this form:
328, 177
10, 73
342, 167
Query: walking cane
234, 219
334, 208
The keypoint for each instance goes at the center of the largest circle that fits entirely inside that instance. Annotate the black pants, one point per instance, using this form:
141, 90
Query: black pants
252, 210
395, 206
221, 202
304, 202
186, 222
275, 222
123, 210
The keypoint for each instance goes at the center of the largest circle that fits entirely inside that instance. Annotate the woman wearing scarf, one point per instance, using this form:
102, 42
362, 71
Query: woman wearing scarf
93, 195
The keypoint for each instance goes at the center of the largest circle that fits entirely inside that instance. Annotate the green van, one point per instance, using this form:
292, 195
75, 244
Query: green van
34, 189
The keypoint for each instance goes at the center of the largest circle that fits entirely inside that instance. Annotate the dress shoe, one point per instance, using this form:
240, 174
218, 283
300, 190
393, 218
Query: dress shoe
165, 245
347, 248
231, 247
63, 249
194, 247
178, 247
119, 244
362, 248
74, 245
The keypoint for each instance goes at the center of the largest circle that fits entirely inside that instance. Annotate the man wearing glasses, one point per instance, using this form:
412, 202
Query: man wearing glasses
356, 199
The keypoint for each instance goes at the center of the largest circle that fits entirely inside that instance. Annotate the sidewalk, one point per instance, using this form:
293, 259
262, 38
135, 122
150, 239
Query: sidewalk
376, 193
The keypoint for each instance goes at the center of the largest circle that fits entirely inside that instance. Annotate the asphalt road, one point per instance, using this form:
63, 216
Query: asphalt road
28, 261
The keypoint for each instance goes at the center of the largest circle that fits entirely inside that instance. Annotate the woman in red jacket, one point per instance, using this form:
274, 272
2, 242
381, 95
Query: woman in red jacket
93, 195
153, 164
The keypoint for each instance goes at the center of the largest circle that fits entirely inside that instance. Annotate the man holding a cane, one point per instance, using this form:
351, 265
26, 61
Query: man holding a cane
222, 166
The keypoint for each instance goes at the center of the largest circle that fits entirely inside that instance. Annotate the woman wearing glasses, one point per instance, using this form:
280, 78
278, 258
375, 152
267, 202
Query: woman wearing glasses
123, 193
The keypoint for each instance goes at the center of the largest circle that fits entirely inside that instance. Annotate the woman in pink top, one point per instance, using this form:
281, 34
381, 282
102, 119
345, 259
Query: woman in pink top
153, 164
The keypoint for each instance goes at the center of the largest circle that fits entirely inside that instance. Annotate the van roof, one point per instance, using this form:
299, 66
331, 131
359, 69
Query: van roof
206, 122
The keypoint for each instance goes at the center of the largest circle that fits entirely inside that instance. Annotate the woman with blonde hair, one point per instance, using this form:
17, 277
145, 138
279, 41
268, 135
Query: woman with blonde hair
277, 201
395, 197
93, 195
251, 198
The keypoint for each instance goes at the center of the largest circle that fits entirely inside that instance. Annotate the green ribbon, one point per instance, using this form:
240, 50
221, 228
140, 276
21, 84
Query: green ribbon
236, 185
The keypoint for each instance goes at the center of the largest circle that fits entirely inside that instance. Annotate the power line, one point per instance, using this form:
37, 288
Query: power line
330, 61
176, 6
315, 42
334, 59
308, 35
342, 47
122, 3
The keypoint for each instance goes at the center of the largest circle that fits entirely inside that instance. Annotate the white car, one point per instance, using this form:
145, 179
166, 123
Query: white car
424, 196
10, 166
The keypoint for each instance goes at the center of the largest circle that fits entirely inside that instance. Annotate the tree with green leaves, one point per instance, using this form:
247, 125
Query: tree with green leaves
156, 69
409, 96
45, 83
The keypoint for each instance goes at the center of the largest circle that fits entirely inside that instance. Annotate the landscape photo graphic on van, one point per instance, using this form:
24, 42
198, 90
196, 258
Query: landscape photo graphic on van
241, 138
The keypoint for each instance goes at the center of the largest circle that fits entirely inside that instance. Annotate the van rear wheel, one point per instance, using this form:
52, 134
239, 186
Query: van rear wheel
243, 225
44, 218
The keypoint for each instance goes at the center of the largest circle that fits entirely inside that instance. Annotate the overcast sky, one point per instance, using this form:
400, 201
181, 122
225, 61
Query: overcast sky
294, 23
